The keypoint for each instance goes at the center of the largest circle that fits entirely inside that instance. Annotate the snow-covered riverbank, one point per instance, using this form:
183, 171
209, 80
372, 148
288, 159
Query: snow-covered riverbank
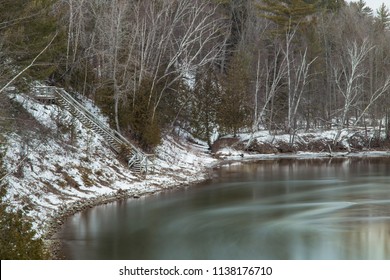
70, 167
65, 168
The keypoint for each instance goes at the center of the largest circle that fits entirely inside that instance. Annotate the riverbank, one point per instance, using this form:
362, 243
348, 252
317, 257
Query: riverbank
57, 167
53, 226
178, 224
205, 162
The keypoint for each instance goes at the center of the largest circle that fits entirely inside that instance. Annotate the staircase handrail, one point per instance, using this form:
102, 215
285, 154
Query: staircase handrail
112, 133
87, 114
116, 136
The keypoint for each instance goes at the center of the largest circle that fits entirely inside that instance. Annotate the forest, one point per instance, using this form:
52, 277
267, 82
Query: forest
211, 67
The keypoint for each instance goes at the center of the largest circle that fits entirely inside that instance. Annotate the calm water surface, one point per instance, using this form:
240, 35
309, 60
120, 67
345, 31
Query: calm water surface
279, 209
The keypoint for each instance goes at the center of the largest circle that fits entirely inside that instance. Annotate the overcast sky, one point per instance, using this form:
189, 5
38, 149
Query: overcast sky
374, 4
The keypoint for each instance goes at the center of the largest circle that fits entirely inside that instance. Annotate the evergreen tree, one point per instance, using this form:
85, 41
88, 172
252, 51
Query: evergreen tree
287, 13
233, 109
237, 12
26, 28
17, 238
362, 8
383, 18
204, 105
144, 128
331, 5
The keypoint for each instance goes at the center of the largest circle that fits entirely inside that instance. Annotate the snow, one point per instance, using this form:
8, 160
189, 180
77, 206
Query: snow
51, 172
48, 173
326, 138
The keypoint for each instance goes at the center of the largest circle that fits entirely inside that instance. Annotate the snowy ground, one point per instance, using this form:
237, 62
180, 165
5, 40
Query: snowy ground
353, 142
70, 163
73, 163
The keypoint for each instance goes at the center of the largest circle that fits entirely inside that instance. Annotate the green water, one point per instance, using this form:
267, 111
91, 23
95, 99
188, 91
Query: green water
279, 209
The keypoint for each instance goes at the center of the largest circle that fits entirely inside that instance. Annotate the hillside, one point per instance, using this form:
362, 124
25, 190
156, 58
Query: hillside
56, 163
56, 166
195, 82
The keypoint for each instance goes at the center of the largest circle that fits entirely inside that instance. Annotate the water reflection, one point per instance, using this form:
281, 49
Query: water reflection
279, 209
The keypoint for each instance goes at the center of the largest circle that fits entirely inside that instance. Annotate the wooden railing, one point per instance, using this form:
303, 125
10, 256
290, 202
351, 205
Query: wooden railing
136, 159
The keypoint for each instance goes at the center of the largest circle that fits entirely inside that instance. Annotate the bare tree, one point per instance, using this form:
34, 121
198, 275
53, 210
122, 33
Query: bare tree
76, 27
297, 79
348, 73
190, 38
275, 72
155, 41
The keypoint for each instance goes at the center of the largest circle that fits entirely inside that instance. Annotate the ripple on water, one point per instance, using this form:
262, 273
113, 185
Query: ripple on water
290, 209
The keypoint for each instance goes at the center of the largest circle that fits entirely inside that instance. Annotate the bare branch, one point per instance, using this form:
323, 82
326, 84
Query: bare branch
28, 66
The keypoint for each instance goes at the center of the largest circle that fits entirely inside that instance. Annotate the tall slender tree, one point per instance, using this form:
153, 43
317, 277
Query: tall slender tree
234, 111
382, 18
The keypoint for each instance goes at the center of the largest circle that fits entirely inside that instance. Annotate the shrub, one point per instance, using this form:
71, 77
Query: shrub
17, 238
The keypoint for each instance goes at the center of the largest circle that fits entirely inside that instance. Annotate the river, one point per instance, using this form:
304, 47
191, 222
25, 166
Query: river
274, 209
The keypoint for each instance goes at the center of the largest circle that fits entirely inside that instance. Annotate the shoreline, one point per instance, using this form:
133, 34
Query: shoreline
300, 155
53, 244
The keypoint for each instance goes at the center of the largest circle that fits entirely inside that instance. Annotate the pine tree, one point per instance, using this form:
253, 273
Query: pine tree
330, 5
17, 238
362, 8
233, 108
383, 17
26, 28
237, 12
204, 105
287, 13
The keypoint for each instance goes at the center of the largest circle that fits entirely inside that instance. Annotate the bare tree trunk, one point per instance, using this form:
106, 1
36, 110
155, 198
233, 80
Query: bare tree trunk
297, 80
350, 73
274, 74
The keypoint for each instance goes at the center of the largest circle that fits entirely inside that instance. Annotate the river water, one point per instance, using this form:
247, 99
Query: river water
274, 209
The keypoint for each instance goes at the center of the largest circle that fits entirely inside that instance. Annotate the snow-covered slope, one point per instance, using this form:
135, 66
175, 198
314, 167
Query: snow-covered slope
66, 167
70, 164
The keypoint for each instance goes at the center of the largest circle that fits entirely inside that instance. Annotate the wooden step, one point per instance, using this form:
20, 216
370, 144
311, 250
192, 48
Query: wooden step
116, 141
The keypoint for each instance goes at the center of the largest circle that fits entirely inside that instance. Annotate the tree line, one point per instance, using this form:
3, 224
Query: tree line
210, 66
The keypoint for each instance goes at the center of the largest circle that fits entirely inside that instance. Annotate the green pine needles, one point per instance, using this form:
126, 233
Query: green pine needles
17, 238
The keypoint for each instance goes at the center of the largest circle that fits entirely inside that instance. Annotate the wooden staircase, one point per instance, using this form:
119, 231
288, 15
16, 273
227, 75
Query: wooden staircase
138, 161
